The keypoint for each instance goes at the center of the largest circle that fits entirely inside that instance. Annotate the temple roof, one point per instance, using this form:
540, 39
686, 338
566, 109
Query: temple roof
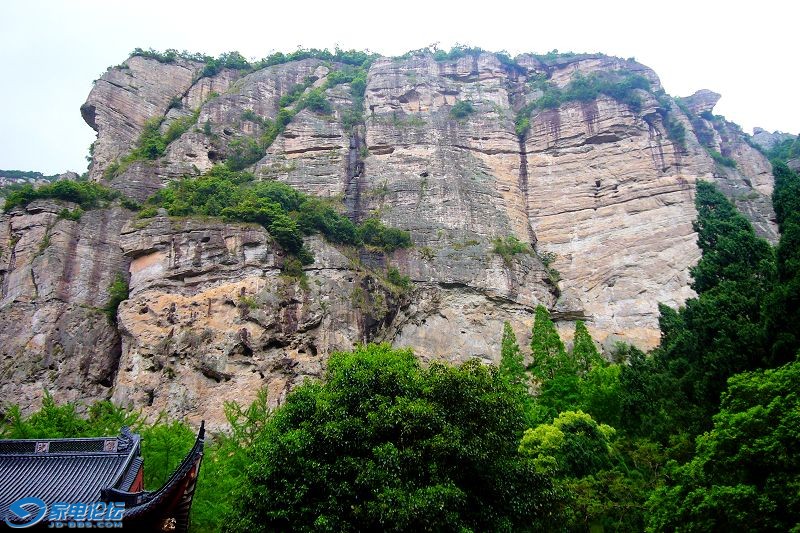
106, 469
61, 470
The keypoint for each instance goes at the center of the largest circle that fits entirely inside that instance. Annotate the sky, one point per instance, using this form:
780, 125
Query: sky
51, 51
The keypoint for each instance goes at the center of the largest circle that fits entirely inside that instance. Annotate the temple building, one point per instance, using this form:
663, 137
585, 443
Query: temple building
47, 483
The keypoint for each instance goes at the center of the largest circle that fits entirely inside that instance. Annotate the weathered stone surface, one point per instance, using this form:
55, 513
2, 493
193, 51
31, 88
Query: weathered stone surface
211, 319
749, 184
125, 97
703, 101
597, 186
609, 197
767, 140
54, 278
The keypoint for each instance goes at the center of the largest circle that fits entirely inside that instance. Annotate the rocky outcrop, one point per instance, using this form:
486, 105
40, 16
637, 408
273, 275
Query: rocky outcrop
210, 318
767, 140
602, 191
54, 277
703, 101
746, 178
126, 97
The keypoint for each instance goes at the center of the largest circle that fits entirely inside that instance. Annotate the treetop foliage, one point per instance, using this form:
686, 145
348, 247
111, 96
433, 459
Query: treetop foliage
27, 174
584, 351
745, 470
547, 350
383, 443
573, 444
731, 250
235, 60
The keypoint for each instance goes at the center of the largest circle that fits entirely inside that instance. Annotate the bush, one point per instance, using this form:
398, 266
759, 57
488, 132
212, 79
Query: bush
721, 159
179, 126
348, 57
676, 131
295, 92
620, 85
397, 279
117, 293
73, 215
151, 144
88, 195
244, 152
462, 109
315, 101
457, 52
522, 124
232, 60
509, 247
286, 213
373, 232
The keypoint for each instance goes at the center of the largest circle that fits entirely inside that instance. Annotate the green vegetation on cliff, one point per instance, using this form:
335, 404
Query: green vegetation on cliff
235, 60
87, 194
287, 214
701, 434
152, 143
619, 85
26, 174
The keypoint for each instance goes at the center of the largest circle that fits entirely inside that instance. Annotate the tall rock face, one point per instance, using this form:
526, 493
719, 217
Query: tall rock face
602, 191
54, 277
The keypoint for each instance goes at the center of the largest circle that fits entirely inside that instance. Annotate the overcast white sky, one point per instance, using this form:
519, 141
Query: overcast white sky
50, 51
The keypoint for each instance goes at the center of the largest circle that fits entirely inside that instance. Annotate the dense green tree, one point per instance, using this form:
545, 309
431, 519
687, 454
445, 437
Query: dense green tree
164, 444
600, 393
88, 195
606, 479
584, 352
642, 396
512, 362
746, 472
783, 309
548, 353
716, 335
385, 444
573, 444
512, 369
731, 249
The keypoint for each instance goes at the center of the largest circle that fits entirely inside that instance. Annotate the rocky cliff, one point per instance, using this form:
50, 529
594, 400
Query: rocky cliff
601, 188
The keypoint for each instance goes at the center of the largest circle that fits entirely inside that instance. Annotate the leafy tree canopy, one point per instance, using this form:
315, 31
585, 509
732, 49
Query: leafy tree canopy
384, 444
746, 471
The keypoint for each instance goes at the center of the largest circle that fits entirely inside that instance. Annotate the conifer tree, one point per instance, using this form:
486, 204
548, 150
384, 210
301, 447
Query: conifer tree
584, 352
549, 356
783, 307
512, 365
